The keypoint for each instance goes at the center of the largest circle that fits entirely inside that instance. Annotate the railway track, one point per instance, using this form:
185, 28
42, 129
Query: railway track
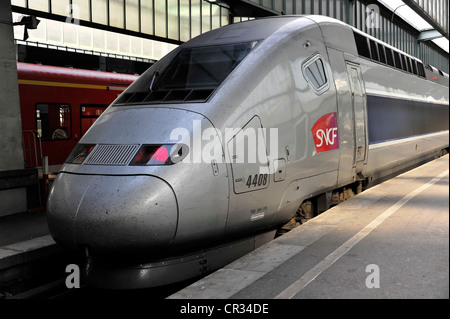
57, 290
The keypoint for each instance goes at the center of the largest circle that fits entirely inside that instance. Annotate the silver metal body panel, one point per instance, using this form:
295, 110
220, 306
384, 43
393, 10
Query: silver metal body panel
199, 217
346, 170
388, 155
380, 80
101, 220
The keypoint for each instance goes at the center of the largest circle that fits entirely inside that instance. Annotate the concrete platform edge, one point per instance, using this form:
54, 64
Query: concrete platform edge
26, 251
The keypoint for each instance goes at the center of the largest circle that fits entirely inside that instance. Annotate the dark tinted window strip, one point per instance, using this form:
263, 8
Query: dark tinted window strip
398, 62
420, 69
414, 67
374, 50
392, 118
378, 52
381, 52
166, 96
389, 57
405, 65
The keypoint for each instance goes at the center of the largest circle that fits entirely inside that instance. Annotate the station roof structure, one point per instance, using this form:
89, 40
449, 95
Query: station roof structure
425, 17
418, 27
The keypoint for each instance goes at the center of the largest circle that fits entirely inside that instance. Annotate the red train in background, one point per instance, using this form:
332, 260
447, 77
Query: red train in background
58, 105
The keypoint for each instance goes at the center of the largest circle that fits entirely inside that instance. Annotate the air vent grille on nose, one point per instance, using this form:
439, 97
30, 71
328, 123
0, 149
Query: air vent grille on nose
112, 154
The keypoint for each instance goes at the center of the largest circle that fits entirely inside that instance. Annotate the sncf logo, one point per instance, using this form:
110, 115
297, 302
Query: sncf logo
325, 133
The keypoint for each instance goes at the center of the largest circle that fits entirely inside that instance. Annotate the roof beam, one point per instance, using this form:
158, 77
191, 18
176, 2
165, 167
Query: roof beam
429, 35
245, 8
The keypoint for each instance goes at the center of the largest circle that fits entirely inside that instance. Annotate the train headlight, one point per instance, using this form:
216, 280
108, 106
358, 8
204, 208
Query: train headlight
79, 153
157, 154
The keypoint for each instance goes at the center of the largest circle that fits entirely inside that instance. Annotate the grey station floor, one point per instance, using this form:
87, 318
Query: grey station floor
391, 241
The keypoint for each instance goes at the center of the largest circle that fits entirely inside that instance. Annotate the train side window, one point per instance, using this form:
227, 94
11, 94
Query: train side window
314, 72
362, 45
53, 121
389, 57
381, 53
408, 62
398, 63
414, 67
405, 65
411, 62
420, 69
374, 50
89, 114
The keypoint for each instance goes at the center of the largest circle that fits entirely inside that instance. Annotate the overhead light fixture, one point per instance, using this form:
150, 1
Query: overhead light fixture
29, 22
220, 3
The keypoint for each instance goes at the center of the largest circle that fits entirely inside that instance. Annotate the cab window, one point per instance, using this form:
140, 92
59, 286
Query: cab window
314, 72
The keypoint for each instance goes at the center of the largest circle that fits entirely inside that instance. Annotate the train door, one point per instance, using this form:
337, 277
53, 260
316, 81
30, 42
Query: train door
248, 154
248, 157
359, 116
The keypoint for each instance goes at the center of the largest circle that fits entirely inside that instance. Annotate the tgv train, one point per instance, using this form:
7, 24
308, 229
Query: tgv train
59, 104
227, 137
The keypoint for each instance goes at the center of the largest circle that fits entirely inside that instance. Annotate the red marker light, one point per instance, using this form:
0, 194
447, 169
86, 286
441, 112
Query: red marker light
161, 154
434, 78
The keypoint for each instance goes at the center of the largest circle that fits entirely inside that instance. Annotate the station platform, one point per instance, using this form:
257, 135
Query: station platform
28, 254
26, 249
27, 230
391, 241
22, 227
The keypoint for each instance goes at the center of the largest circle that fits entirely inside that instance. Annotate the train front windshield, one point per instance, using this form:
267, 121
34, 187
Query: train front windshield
190, 75
204, 67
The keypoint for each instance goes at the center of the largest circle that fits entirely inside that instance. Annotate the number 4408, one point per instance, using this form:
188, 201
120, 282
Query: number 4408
256, 180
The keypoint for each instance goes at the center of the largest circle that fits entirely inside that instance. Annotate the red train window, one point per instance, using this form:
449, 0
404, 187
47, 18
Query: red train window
90, 113
53, 121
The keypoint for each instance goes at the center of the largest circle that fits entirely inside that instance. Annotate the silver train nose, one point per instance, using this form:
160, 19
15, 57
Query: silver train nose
96, 214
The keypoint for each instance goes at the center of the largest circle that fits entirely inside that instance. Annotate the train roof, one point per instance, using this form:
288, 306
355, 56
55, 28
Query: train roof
246, 31
331, 28
38, 72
